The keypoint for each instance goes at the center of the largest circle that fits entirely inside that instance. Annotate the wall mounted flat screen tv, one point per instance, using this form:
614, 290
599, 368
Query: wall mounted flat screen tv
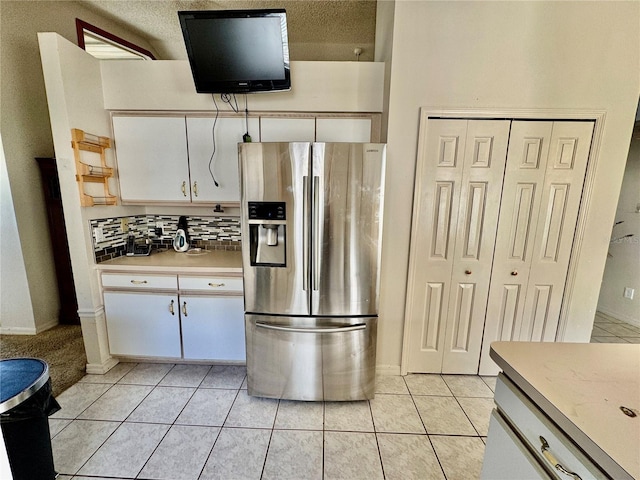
237, 51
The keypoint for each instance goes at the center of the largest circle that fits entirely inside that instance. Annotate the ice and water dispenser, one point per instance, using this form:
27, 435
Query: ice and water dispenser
267, 233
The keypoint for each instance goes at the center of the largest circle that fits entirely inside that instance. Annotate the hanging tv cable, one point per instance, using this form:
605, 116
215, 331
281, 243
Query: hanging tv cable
246, 138
213, 137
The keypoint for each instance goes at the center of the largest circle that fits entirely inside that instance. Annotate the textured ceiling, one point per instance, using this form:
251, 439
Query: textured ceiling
318, 29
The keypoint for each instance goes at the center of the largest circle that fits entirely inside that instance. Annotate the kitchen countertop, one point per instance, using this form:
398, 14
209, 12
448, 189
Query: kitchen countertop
581, 387
170, 261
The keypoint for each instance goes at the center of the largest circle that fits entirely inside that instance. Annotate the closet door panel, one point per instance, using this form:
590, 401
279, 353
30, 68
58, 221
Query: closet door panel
435, 219
558, 216
482, 177
523, 184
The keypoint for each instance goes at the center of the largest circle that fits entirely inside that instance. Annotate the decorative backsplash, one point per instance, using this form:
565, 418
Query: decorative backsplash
212, 233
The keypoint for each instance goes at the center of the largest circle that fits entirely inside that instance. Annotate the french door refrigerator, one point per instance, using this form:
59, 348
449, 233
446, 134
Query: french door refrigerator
311, 217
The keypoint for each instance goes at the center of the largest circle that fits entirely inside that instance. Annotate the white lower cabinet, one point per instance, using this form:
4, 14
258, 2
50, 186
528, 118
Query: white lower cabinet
524, 444
212, 326
202, 319
143, 324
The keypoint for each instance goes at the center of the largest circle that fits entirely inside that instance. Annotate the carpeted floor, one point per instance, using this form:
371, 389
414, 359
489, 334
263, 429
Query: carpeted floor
61, 347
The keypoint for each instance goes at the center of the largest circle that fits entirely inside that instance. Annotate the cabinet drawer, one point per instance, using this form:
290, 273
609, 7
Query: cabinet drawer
138, 281
210, 284
536, 429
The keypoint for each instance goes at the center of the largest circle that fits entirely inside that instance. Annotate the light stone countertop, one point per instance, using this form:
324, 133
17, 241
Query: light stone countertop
581, 387
170, 261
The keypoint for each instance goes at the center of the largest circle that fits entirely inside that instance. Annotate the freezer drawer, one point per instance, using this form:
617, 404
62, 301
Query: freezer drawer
311, 358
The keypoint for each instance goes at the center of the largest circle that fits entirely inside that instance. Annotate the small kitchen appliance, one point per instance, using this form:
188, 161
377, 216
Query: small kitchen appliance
181, 239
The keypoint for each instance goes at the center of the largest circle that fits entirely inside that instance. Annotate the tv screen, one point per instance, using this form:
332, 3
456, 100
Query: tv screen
237, 51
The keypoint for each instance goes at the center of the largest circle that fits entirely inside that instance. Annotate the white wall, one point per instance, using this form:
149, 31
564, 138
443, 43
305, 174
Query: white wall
315, 87
509, 55
16, 312
623, 265
74, 92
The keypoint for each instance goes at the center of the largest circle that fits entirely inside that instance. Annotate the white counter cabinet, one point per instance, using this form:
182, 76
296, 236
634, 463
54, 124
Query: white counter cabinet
194, 317
564, 410
143, 324
212, 316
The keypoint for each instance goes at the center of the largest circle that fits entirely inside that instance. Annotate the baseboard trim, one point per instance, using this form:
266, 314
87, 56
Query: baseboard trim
101, 369
387, 369
46, 326
17, 331
619, 316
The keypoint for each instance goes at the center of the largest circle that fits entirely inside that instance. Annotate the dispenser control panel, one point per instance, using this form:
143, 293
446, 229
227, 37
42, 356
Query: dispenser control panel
267, 211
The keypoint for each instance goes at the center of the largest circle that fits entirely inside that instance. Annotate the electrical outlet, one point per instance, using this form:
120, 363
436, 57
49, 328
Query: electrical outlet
98, 234
159, 229
629, 292
124, 223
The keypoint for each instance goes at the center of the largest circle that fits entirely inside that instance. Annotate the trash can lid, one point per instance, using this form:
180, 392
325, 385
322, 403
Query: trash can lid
20, 378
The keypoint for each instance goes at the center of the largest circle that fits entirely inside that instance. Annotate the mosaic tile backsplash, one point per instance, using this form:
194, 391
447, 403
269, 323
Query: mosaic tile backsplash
212, 233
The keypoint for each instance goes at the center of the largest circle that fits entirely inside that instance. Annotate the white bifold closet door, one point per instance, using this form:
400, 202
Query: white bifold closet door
546, 166
460, 171
495, 212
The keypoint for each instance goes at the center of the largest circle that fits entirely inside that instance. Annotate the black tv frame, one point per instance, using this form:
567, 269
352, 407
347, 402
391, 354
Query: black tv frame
248, 85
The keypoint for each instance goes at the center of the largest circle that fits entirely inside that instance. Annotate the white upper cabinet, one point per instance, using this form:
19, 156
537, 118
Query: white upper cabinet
217, 159
343, 130
152, 159
174, 159
315, 129
179, 158
287, 129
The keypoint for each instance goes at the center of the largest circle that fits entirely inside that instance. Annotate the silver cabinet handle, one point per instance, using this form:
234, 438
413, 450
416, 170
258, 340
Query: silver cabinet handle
138, 282
184, 309
184, 188
195, 189
316, 232
171, 308
348, 328
215, 285
305, 233
544, 448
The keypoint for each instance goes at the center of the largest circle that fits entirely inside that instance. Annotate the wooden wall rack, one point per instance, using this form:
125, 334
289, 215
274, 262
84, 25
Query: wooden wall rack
86, 173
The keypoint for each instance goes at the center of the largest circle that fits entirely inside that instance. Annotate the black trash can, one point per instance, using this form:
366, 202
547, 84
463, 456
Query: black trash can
25, 404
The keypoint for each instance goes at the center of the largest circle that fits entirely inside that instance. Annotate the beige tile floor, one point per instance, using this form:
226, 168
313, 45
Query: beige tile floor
607, 329
174, 422
162, 421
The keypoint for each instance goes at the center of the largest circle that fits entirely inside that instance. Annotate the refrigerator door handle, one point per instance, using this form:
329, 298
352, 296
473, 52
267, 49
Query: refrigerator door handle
305, 233
315, 248
348, 328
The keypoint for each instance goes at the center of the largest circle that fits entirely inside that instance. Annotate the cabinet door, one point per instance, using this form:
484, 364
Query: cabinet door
287, 129
506, 457
213, 327
356, 130
546, 167
459, 184
151, 153
219, 160
143, 325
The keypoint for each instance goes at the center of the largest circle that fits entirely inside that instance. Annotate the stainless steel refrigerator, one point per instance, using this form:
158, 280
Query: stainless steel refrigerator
311, 216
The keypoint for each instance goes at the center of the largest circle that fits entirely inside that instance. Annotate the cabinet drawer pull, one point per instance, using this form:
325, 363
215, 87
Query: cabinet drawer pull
467, 272
215, 285
195, 188
184, 188
184, 309
544, 448
171, 308
514, 273
138, 282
